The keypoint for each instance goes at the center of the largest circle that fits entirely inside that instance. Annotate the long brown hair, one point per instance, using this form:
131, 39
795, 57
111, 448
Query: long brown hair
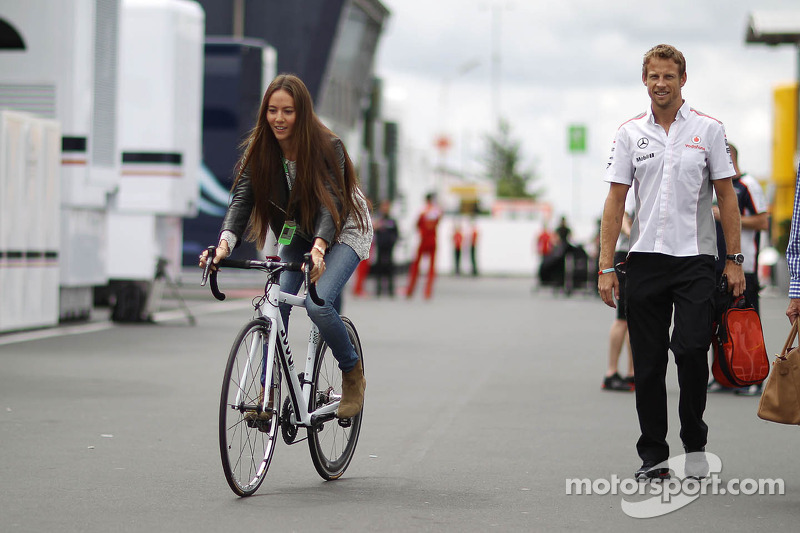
320, 180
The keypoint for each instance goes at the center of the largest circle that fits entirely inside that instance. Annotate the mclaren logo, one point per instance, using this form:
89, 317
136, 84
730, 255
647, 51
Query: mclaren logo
642, 143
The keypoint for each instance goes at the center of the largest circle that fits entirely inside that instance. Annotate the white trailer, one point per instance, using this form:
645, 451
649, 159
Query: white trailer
65, 68
160, 136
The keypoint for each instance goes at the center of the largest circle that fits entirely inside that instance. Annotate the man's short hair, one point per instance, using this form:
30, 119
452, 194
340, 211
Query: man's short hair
665, 51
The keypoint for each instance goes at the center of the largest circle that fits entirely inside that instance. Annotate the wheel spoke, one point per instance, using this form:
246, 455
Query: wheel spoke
246, 449
332, 446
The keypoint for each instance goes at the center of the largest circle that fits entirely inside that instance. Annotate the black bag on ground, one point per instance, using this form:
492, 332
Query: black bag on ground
130, 300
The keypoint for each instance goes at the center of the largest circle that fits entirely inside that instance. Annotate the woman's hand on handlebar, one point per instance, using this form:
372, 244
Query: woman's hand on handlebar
318, 260
222, 251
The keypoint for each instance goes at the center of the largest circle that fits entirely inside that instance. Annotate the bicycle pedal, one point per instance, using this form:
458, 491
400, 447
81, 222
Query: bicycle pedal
345, 422
264, 426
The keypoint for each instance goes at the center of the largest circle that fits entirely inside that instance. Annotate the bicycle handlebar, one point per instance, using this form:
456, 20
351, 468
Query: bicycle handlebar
247, 264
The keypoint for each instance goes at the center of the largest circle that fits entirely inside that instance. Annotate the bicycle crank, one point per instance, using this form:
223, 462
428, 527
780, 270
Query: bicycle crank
288, 430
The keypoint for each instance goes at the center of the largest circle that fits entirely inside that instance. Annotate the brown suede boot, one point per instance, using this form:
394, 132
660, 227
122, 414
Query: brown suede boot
264, 414
353, 385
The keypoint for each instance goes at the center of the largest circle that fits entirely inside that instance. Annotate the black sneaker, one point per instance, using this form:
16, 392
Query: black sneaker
631, 382
615, 382
696, 464
648, 472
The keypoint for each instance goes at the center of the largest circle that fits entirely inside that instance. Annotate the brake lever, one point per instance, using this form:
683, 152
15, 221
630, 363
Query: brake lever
212, 251
207, 271
312, 287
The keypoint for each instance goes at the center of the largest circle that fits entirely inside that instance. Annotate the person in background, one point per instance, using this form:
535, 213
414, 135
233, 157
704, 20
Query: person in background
458, 241
755, 219
618, 335
296, 179
427, 224
386, 235
793, 256
544, 242
673, 157
473, 246
563, 232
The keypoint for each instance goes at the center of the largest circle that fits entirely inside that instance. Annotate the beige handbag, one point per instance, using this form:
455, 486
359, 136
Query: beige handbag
780, 401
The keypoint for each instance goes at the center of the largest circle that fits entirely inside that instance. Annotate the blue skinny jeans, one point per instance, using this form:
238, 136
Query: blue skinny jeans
340, 263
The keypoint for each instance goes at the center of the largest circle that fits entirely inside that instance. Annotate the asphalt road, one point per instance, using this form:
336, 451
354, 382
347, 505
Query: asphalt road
481, 404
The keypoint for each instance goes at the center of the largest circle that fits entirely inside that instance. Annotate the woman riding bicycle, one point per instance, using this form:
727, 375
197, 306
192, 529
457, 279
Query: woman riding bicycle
296, 178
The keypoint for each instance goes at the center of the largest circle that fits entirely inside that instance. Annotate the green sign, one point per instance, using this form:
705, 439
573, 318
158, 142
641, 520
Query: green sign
577, 138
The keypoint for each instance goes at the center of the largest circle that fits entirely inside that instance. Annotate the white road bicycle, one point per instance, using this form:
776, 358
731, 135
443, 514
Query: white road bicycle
251, 412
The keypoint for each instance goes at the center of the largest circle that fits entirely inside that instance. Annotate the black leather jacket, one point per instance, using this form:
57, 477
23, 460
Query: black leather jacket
241, 206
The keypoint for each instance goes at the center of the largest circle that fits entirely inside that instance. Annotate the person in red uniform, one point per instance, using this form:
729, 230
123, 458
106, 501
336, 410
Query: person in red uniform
544, 244
427, 223
473, 248
458, 240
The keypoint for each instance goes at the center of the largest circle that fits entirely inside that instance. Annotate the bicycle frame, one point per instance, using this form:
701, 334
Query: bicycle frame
300, 393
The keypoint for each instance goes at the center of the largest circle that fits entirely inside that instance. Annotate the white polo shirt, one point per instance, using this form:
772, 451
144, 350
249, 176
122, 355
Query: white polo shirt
671, 177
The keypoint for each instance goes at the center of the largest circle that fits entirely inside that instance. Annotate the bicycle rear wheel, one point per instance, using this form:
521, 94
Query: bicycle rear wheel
247, 435
332, 444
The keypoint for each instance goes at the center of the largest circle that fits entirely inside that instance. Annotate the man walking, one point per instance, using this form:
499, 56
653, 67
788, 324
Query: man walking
755, 219
674, 157
427, 224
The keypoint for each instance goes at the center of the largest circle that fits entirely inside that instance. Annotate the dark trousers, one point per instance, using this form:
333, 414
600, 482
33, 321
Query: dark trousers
655, 285
384, 272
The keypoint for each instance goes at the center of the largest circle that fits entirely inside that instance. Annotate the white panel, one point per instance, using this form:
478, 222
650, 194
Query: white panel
50, 210
169, 236
13, 129
83, 247
28, 274
51, 195
132, 246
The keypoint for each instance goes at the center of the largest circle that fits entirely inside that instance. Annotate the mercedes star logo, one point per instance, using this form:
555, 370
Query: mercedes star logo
643, 142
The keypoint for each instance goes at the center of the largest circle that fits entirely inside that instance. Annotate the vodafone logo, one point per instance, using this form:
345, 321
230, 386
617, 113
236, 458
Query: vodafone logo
695, 144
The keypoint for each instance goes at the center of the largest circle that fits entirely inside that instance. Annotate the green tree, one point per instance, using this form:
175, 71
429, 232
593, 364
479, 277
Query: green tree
502, 165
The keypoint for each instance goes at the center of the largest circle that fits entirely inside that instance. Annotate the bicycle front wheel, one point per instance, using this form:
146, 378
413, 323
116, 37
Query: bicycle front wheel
333, 443
247, 431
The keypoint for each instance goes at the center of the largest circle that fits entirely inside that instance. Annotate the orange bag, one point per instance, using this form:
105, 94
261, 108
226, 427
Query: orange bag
740, 357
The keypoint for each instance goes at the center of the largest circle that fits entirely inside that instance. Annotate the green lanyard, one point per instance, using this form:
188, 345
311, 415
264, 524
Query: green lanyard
289, 227
285, 169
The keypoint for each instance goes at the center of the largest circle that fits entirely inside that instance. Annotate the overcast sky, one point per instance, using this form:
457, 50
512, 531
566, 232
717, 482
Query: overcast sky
573, 61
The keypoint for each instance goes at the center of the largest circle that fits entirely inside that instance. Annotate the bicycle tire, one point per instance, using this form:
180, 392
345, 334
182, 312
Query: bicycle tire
332, 446
246, 445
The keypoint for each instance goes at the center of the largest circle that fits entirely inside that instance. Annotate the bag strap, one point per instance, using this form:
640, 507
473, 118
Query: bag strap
792, 336
740, 302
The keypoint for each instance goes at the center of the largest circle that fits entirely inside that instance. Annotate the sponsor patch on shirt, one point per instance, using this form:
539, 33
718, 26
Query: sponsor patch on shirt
645, 157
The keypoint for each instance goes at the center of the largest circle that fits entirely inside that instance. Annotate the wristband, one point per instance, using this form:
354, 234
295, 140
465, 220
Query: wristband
606, 271
318, 248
